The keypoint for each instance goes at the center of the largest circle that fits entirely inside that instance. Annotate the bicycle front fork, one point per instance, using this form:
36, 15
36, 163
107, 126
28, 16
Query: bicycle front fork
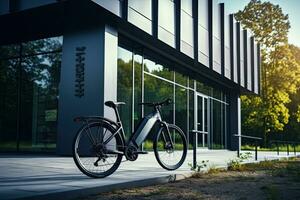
168, 136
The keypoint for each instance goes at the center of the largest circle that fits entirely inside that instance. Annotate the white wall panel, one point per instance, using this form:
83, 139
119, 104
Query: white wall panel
235, 72
249, 71
255, 69
242, 66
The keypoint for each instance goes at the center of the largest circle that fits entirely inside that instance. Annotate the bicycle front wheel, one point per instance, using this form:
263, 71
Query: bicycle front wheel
92, 156
170, 148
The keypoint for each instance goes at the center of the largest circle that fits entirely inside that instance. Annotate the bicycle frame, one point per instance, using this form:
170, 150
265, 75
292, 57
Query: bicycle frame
143, 129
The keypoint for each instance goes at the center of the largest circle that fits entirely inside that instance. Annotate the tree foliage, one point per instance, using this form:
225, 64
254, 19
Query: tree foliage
280, 71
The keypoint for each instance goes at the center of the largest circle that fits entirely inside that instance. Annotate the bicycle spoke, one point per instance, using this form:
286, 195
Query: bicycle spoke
91, 155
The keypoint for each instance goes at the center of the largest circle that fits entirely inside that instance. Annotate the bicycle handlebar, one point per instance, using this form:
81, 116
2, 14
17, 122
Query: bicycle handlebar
166, 102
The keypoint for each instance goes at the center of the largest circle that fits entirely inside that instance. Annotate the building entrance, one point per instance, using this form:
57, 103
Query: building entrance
203, 119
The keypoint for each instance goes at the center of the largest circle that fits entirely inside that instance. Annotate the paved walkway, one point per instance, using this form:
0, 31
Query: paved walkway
49, 177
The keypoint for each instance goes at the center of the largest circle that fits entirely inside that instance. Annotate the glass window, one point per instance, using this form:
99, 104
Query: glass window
29, 79
181, 109
111, 5
158, 70
203, 41
191, 115
140, 14
142, 7
8, 103
166, 21
227, 46
42, 46
203, 13
203, 45
157, 90
181, 79
204, 89
191, 83
137, 116
217, 54
187, 6
187, 34
125, 88
39, 90
9, 51
218, 133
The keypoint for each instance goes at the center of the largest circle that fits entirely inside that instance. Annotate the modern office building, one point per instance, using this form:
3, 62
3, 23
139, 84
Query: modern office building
64, 58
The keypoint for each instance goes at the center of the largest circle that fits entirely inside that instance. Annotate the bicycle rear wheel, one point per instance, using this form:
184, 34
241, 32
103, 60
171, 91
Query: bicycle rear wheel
91, 155
170, 151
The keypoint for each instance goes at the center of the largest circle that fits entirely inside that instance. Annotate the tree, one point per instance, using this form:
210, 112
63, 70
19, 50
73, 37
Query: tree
269, 112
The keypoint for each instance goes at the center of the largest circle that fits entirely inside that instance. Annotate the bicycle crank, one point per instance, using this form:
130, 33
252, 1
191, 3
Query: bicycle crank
131, 153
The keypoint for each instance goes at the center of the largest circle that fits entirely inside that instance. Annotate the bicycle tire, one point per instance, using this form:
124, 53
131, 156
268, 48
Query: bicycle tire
158, 153
78, 161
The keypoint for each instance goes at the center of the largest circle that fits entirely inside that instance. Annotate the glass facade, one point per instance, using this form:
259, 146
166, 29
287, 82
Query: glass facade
144, 79
29, 79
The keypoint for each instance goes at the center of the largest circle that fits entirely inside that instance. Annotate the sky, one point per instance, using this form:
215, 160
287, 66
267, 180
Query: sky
290, 7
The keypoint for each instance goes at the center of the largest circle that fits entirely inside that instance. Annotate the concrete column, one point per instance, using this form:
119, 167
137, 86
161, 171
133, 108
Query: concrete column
88, 78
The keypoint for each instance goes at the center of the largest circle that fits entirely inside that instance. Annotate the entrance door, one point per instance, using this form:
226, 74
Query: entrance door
202, 120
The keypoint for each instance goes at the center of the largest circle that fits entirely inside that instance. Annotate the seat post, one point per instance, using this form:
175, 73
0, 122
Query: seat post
117, 113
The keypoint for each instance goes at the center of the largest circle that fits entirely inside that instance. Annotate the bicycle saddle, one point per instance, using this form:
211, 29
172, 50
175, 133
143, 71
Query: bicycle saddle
163, 103
112, 104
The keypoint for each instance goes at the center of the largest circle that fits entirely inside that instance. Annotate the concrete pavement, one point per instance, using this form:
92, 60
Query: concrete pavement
53, 177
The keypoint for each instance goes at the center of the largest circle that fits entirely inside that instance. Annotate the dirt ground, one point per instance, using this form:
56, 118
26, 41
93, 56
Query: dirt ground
267, 180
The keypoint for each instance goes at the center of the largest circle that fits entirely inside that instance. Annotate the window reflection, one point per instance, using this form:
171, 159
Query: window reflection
158, 69
29, 79
157, 90
124, 91
154, 82
8, 103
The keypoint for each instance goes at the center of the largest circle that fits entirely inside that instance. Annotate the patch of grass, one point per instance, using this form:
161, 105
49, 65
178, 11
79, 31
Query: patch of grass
198, 168
214, 170
236, 164
263, 165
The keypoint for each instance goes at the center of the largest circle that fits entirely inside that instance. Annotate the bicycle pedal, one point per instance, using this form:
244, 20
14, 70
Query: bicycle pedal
142, 152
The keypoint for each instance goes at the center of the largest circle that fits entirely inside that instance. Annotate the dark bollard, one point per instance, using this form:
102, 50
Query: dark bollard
295, 149
287, 149
277, 148
194, 151
238, 150
255, 150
